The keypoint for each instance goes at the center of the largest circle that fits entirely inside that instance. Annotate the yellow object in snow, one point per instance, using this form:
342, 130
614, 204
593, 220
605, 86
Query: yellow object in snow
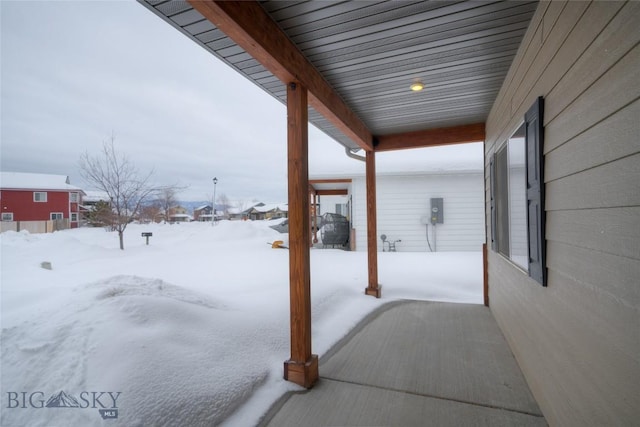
278, 244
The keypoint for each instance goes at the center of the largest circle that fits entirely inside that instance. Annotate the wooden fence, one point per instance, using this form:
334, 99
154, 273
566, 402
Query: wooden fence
35, 226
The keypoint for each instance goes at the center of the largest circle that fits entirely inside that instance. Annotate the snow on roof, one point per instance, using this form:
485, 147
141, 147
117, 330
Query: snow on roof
35, 181
95, 196
272, 207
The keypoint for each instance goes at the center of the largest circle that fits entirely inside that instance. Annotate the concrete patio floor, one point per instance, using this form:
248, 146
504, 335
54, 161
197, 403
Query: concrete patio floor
416, 363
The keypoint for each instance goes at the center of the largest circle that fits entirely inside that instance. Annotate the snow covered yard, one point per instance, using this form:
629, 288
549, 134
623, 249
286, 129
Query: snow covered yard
183, 331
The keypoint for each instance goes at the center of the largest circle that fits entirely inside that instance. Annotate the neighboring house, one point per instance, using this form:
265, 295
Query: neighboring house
92, 197
95, 209
235, 213
256, 212
202, 213
39, 197
252, 212
270, 211
178, 214
405, 202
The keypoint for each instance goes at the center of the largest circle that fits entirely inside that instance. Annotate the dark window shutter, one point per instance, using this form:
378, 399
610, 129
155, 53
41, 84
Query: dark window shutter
535, 191
492, 202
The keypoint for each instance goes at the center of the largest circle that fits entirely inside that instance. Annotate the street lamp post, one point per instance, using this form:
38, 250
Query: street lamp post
213, 205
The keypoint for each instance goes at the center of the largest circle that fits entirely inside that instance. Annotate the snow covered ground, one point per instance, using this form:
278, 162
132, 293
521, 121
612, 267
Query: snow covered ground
190, 330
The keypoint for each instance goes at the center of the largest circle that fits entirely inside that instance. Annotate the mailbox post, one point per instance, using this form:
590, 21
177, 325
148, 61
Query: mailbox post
147, 235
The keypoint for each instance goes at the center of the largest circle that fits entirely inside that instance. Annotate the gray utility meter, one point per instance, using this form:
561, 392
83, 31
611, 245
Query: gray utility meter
437, 212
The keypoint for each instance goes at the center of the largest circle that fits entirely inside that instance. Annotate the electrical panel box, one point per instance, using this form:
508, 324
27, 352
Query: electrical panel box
437, 211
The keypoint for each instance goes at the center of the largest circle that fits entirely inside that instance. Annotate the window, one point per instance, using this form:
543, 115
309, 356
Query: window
74, 217
56, 215
39, 196
73, 197
7, 216
511, 206
517, 196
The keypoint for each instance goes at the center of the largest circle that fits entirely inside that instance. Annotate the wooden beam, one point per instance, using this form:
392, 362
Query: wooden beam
251, 28
330, 192
373, 288
343, 192
302, 367
431, 137
330, 181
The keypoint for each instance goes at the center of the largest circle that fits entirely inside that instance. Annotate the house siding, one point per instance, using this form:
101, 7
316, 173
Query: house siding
577, 340
404, 200
21, 203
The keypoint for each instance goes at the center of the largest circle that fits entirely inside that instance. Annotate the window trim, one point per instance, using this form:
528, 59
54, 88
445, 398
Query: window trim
71, 217
40, 192
74, 197
502, 202
535, 194
6, 213
51, 214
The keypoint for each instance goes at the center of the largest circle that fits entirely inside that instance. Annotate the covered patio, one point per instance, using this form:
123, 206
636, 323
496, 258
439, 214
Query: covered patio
413, 363
375, 76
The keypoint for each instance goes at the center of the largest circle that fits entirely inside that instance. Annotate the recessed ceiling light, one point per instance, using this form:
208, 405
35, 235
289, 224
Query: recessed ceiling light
417, 85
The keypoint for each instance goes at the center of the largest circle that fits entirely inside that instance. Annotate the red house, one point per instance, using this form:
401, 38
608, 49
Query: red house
39, 197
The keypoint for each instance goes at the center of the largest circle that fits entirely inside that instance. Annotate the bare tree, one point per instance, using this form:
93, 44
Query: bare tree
224, 201
241, 205
114, 174
166, 198
151, 212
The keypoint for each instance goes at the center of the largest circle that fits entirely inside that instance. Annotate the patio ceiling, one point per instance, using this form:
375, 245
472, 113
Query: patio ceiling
359, 58
330, 187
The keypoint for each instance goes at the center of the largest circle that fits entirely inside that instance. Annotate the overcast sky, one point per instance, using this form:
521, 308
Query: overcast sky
74, 73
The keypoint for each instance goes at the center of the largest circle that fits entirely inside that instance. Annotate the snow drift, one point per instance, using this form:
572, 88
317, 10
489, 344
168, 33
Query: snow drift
190, 330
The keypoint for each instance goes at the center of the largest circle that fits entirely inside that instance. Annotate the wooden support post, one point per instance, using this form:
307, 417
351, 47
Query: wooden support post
373, 288
302, 367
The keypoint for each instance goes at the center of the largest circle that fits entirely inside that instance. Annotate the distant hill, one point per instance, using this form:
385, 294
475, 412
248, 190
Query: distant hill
190, 206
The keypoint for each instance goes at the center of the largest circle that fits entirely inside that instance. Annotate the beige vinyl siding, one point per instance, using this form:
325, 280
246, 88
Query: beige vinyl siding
578, 340
402, 201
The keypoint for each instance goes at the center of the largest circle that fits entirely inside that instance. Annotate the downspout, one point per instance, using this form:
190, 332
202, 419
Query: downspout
353, 155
